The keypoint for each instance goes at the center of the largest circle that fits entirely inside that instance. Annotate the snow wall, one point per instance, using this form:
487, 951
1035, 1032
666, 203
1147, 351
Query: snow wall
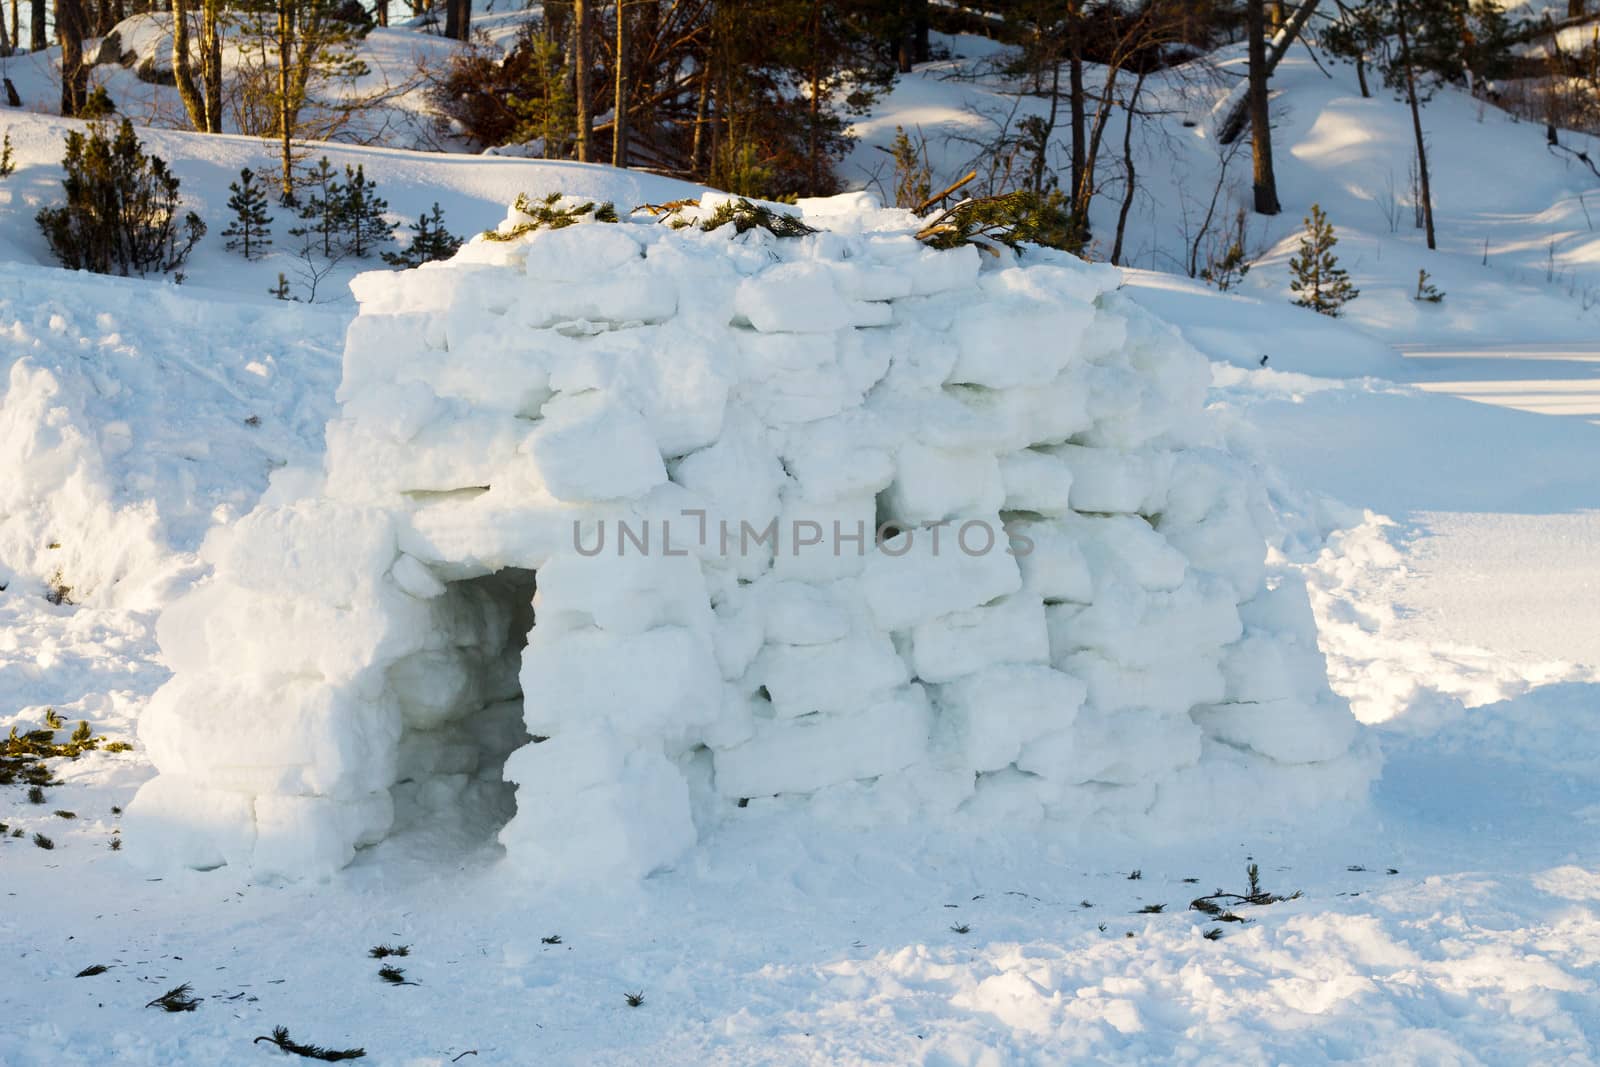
662, 526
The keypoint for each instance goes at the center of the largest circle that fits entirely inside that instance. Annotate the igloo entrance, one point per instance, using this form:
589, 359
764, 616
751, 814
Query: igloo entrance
461, 712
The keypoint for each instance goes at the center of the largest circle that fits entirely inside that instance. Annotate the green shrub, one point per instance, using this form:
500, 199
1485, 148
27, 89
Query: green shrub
122, 209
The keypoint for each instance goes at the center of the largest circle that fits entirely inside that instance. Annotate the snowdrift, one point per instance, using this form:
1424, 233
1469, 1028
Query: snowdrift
135, 416
661, 525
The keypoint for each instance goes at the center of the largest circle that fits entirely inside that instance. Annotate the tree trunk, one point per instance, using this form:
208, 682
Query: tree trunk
814, 105
211, 60
1233, 125
1132, 184
1416, 122
1263, 183
74, 73
36, 20
380, 12
1083, 196
183, 66
6, 38
458, 19
619, 124
700, 108
1080, 136
287, 111
1361, 77
580, 76
910, 27
1040, 159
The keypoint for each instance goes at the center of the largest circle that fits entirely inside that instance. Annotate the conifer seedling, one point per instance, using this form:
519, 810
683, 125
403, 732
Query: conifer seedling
250, 230
1321, 284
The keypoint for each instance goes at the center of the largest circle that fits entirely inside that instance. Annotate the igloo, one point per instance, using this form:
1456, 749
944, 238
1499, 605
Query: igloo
627, 528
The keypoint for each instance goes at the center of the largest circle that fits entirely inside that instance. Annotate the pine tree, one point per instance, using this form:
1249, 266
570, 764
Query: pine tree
122, 214
1427, 292
8, 164
429, 241
1321, 283
323, 208
281, 290
361, 217
250, 230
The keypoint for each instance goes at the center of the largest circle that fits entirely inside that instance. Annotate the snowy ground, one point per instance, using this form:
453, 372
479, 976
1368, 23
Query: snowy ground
1464, 629
1445, 508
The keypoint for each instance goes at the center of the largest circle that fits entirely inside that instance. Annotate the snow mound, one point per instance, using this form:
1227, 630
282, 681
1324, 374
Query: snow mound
660, 524
133, 417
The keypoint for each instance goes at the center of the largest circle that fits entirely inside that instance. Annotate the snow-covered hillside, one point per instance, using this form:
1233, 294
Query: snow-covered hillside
1440, 506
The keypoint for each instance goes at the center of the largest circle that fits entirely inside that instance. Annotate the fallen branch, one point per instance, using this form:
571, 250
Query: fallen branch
280, 1037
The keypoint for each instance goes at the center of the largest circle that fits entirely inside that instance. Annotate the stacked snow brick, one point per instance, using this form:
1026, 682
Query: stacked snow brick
905, 532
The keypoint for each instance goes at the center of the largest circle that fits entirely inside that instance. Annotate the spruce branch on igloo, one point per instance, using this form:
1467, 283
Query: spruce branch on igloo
546, 215
1010, 219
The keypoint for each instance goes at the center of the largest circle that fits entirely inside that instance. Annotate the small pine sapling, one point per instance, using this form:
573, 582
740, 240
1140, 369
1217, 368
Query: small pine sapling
8, 163
43, 842
1152, 909
364, 226
35, 795
281, 290
553, 939
251, 228
92, 970
634, 999
960, 928
394, 975
1227, 270
1321, 284
52, 720
913, 177
430, 241
1427, 292
380, 952
323, 210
